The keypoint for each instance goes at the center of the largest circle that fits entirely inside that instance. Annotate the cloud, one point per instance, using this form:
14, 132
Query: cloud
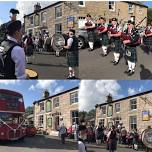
32, 88
141, 88
94, 92
131, 91
59, 89
27, 7
8, 82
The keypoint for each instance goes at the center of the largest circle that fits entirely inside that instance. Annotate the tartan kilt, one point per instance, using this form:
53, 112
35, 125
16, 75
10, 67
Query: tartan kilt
105, 39
147, 41
117, 45
72, 59
91, 36
131, 54
29, 50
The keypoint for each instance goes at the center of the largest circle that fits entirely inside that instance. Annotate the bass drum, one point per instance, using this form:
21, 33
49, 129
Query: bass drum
147, 138
57, 42
31, 74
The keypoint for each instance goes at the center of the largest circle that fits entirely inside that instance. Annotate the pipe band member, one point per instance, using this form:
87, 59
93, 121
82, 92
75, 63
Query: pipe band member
103, 33
130, 47
115, 38
72, 53
147, 39
3, 27
90, 26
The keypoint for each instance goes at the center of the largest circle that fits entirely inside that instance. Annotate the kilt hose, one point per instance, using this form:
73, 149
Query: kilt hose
91, 36
147, 41
117, 48
73, 59
131, 53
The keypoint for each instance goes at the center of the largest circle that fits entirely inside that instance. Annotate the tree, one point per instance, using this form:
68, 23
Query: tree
29, 111
149, 15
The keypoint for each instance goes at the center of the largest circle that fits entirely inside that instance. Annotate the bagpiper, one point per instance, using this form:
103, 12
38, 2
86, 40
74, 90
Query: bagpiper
131, 39
103, 33
147, 36
115, 37
90, 26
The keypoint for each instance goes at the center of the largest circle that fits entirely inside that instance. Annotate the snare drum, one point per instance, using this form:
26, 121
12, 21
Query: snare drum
31, 74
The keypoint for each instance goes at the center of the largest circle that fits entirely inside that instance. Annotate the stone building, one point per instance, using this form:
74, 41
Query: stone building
61, 16
49, 111
132, 112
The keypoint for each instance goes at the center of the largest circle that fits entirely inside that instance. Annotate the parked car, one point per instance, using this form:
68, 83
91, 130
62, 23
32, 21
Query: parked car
83, 37
31, 130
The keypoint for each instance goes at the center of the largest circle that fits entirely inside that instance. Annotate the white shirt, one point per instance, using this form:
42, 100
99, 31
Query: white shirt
18, 56
81, 146
70, 41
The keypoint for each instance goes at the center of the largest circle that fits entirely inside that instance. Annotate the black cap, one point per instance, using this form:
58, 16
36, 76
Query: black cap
114, 19
14, 11
102, 18
13, 26
131, 22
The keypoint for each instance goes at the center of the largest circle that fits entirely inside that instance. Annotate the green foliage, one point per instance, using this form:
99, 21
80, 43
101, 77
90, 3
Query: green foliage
29, 111
149, 15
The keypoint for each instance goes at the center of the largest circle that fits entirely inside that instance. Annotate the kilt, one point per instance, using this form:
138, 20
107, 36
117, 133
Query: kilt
131, 53
112, 144
147, 41
91, 36
117, 45
105, 39
72, 59
29, 50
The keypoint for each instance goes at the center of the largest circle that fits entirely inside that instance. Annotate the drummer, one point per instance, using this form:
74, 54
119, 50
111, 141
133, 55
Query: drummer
15, 58
72, 53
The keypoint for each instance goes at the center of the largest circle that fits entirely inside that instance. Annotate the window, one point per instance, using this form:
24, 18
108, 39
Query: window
133, 104
41, 106
58, 11
133, 122
73, 97
130, 8
48, 106
40, 121
74, 116
102, 121
117, 107
112, 6
56, 102
31, 20
43, 16
49, 122
81, 3
58, 28
103, 110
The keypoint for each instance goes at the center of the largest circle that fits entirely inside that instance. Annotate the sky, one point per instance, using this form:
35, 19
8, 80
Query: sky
25, 7
91, 92
32, 90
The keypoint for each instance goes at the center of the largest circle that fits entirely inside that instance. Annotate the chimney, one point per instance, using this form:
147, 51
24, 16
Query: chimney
37, 7
46, 94
109, 98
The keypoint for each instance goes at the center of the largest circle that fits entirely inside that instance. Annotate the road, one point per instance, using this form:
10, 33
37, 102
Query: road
94, 66
48, 66
38, 144
93, 148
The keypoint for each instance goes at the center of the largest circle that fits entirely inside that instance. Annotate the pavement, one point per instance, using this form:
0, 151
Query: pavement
93, 66
39, 144
48, 66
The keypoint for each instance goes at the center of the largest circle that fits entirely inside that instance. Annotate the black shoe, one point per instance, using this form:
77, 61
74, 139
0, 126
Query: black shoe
73, 77
115, 63
127, 71
90, 49
131, 73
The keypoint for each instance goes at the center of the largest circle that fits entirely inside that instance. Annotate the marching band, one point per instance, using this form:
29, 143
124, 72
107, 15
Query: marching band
123, 42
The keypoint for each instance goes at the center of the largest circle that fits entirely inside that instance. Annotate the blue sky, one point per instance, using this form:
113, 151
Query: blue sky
6, 5
32, 89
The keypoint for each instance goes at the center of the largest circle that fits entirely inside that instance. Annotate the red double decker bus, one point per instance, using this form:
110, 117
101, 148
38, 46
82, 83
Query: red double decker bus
12, 112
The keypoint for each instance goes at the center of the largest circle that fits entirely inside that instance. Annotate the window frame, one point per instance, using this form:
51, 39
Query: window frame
74, 97
133, 104
56, 99
114, 4
130, 8
58, 13
133, 122
58, 31
76, 117
117, 111
40, 120
83, 5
